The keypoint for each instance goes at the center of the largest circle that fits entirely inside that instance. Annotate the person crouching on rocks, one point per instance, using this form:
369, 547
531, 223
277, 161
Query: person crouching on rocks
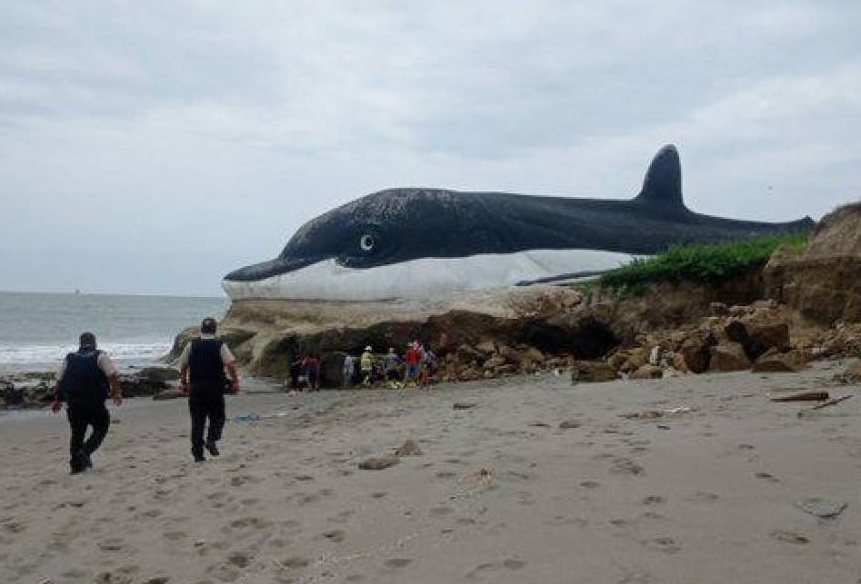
86, 379
202, 363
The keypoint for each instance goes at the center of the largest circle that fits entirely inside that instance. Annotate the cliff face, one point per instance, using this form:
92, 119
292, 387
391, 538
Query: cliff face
823, 283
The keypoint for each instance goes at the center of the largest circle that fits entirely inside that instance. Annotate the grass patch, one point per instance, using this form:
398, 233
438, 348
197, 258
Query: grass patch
701, 263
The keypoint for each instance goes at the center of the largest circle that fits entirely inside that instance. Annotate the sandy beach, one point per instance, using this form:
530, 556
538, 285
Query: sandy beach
692, 479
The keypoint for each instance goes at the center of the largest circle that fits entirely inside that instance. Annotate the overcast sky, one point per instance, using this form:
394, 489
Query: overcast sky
151, 147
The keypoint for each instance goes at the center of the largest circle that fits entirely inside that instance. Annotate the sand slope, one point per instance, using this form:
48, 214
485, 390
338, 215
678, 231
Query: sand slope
539, 481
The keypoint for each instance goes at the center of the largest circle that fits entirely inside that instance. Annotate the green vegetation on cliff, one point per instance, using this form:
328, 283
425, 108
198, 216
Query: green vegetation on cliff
703, 263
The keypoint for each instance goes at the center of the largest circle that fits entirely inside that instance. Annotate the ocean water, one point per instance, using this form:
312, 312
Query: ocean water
37, 330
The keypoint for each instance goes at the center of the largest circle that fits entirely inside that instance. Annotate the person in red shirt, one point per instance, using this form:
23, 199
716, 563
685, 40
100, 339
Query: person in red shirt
312, 371
412, 359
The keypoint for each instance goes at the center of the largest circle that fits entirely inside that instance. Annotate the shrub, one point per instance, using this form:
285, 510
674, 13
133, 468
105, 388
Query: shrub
703, 263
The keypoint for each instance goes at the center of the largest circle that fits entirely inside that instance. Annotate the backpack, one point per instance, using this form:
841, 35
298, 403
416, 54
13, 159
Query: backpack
83, 380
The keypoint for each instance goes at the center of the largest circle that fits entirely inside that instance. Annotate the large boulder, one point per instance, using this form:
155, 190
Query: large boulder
695, 351
592, 372
759, 331
822, 282
728, 357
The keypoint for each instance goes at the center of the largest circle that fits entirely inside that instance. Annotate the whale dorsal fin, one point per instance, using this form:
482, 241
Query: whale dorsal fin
662, 187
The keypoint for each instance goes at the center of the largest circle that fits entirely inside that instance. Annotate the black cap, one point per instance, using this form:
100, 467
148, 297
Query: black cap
208, 326
88, 340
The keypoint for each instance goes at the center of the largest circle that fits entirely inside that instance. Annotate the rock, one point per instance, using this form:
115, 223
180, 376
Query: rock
569, 424
738, 311
760, 330
728, 356
11, 395
408, 448
592, 372
636, 359
159, 373
647, 372
774, 364
464, 405
466, 354
718, 309
136, 385
494, 362
678, 362
532, 356
696, 351
853, 372
486, 347
617, 360
379, 462
822, 508
168, 394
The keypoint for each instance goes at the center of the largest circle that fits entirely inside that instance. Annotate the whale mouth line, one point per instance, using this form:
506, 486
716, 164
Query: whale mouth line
270, 268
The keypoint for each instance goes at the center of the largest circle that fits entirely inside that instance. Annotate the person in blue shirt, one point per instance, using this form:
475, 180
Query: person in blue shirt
202, 365
86, 379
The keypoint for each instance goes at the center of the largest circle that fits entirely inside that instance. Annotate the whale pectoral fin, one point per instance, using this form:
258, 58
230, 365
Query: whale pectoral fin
662, 187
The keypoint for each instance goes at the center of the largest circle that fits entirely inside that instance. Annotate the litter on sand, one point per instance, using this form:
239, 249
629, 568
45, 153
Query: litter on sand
801, 396
653, 414
822, 508
252, 418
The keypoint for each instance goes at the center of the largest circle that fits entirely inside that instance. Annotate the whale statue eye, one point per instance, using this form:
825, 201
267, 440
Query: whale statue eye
367, 242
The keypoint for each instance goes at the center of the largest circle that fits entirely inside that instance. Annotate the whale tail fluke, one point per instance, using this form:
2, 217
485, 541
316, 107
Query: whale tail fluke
662, 187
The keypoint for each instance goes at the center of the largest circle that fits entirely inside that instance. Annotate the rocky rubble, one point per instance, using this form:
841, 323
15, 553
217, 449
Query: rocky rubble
36, 390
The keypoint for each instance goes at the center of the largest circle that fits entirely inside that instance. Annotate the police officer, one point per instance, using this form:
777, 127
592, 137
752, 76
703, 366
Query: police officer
202, 363
86, 379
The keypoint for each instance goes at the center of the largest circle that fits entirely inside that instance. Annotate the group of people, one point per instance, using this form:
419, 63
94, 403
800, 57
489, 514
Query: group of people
88, 377
416, 368
310, 366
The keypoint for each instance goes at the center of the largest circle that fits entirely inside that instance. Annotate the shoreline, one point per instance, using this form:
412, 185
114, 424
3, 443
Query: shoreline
520, 479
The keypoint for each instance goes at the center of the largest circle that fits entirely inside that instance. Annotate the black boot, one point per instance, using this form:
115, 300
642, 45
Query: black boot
212, 448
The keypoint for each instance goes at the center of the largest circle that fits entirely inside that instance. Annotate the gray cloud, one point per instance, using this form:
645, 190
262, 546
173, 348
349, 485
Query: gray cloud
192, 137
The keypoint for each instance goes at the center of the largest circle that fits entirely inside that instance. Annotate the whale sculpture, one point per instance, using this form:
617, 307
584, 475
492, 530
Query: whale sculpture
425, 242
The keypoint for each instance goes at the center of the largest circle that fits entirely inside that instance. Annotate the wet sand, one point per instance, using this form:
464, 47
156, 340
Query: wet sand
694, 479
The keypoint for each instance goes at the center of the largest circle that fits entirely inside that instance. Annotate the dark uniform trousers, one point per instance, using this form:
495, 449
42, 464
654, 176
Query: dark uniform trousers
206, 400
81, 415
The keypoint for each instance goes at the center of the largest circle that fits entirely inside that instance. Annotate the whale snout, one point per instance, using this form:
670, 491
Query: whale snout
266, 269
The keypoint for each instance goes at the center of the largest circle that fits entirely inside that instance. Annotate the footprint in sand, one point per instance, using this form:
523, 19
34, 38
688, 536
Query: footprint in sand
112, 546
484, 571
703, 496
767, 477
626, 466
175, 535
295, 562
246, 524
336, 535
113, 578
240, 559
666, 545
636, 578
789, 537
342, 517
